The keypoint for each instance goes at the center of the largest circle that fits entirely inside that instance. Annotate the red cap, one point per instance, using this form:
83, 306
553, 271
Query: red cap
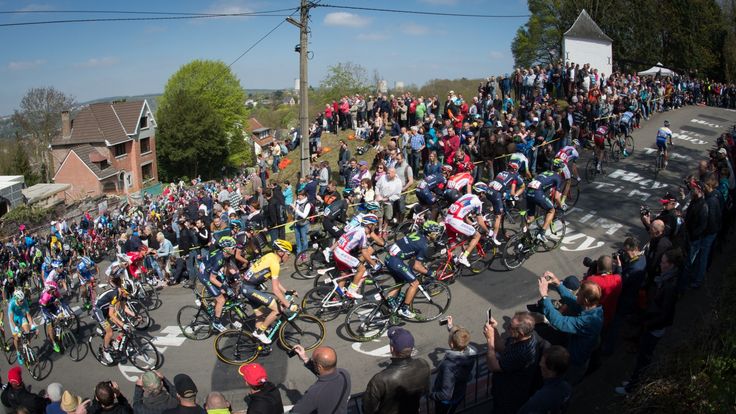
254, 374
15, 376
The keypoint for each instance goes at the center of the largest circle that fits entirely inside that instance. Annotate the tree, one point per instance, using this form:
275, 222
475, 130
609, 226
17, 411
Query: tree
21, 165
40, 117
212, 84
344, 79
191, 136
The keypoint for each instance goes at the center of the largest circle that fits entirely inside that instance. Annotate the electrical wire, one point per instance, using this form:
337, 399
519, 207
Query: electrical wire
144, 12
428, 13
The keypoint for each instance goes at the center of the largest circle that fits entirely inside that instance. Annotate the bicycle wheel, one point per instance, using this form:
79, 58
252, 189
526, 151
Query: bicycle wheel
478, 261
142, 353
304, 330
629, 144
76, 350
516, 250
367, 321
444, 270
554, 234
236, 347
308, 262
574, 195
194, 322
615, 151
9, 350
590, 170
149, 297
143, 319
512, 218
95, 344
324, 303
431, 301
41, 368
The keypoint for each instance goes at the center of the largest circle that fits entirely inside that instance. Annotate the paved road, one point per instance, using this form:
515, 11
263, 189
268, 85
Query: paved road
606, 213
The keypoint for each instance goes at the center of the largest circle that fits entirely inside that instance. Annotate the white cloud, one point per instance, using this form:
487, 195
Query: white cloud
98, 62
36, 7
440, 2
229, 7
413, 29
26, 64
495, 54
346, 19
371, 37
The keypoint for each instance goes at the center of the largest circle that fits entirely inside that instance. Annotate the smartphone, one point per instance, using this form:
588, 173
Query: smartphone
444, 321
548, 278
490, 311
291, 353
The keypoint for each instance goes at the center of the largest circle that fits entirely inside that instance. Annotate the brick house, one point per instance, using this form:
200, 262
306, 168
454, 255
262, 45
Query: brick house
108, 148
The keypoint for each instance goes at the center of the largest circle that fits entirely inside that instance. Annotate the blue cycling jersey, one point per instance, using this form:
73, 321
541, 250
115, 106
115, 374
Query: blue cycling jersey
16, 311
432, 182
664, 134
545, 182
412, 245
504, 180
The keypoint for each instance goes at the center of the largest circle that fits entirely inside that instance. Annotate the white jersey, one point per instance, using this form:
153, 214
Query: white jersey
465, 205
353, 239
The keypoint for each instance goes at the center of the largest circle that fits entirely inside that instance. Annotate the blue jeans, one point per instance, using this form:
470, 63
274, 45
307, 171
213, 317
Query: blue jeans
698, 258
151, 263
302, 238
192, 267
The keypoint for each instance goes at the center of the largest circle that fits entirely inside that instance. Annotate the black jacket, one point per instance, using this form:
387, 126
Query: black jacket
187, 240
662, 298
20, 397
453, 375
121, 407
696, 219
714, 212
155, 404
398, 388
272, 212
265, 401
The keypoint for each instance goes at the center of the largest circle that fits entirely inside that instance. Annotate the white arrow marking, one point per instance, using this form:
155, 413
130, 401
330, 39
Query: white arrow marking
588, 243
170, 338
129, 372
382, 352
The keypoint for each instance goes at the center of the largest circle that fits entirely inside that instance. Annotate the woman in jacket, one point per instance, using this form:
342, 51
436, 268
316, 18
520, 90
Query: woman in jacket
454, 371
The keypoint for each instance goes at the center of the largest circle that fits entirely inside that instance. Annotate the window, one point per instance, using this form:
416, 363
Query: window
104, 164
119, 150
145, 145
147, 171
144, 122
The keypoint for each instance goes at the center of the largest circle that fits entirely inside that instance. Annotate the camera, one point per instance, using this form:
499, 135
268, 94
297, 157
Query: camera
291, 353
443, 321
591, 264
644, 210
619, 254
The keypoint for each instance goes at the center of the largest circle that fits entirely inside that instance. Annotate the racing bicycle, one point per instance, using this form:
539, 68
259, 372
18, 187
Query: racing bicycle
126, 347
524, 244
195, 321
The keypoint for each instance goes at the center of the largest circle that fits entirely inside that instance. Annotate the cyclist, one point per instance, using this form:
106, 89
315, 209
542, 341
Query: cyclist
19, 316
568, 155
462, 182
241, 243
345, 249
537, 196
457, 223
412, 246
218, 271
87, 270
9, 284
268, 267
51, 306
107, 308
599, 140
56, 274
429, 189
664, 135
506, 182
522, 161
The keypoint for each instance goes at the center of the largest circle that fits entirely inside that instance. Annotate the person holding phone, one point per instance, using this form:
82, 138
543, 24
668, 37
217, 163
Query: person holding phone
454, 371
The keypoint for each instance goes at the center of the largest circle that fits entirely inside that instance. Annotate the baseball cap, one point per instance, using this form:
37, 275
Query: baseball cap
362, 162
571, 282
254, 374
150, 380
667, 198
185, 386
400, 338
54, 391
722, 151
15, 376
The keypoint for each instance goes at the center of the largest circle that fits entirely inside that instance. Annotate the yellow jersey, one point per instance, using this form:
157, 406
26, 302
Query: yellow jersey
267, 267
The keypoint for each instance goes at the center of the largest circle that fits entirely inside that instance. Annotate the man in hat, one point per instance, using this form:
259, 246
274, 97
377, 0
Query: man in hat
399, 387
186, 392
668, 215
73, 404
153, 394
264, 397
16, 395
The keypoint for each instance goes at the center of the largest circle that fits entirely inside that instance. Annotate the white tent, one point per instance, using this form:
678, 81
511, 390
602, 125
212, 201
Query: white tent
658, 70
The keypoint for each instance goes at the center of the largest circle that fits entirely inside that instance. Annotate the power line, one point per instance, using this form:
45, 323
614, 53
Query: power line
129, 19
485, 16
143, 12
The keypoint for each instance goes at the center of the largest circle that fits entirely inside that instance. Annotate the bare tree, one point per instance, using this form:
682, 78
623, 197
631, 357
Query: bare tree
40, 117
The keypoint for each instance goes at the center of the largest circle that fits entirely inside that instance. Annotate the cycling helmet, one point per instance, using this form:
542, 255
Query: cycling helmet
236, 223
513, 166
18, 295
667, 124
372, 206
369, 219
56, 264
558, 164
480, 188
283, 245
447, 168
575, 143
431, 227
347, 192
227, 242
451, 195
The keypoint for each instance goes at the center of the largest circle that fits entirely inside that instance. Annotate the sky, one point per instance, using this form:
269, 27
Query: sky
104, 59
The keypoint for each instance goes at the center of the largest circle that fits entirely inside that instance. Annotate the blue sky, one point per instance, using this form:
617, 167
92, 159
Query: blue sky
101, 59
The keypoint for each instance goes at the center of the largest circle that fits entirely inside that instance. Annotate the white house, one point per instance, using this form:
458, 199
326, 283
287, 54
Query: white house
585, 42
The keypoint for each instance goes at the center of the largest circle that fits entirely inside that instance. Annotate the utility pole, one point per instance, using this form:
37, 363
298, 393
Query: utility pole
304, 86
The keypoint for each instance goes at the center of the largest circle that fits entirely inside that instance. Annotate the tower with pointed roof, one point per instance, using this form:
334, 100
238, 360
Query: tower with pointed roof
585, 42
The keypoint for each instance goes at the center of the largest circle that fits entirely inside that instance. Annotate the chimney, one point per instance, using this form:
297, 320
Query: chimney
66, 125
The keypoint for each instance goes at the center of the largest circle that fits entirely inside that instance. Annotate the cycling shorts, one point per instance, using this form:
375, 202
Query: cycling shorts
255, 296
565, 172
538, 199
212, 289
457, 226
19, 321
496, 199
426, 197
49, 312
662, 143
599, 140
400, 270
101, 316
345, 261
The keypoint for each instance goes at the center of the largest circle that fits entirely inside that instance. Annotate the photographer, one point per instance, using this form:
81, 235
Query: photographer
610, 284
668, 215
658, 244
454, 371
631, 264
331, 391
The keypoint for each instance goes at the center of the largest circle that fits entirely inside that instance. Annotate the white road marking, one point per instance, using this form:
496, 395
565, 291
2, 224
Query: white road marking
700, 121
673, 155
381, 352
162, 343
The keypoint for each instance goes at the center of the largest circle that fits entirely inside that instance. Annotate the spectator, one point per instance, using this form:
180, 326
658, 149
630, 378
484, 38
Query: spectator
15, 394
696, 223
610, 284
513, 362
109, 400
668, 216
454, 371
583, 325
658, 315
153, 394
72, 404
216, 403
264, 397
54, 391
331, 392
276, 216
188, 250
302, 210
399, 387
432, 166
555, 393
388, 191
658, 244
